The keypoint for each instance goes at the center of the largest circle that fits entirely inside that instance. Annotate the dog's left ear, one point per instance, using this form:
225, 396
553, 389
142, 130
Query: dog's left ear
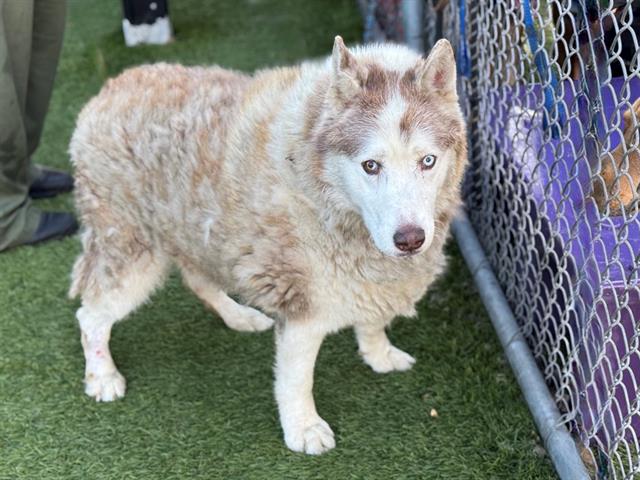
438, 71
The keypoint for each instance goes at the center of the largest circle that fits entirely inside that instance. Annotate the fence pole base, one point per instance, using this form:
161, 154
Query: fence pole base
557, 440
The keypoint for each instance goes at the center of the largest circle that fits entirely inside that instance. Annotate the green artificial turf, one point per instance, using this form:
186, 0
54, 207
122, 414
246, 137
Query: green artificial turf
199, 402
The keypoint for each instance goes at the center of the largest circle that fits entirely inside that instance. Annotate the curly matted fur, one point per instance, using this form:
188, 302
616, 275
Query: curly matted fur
264, 187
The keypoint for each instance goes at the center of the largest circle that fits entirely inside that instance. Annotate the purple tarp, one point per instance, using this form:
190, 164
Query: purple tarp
604, 250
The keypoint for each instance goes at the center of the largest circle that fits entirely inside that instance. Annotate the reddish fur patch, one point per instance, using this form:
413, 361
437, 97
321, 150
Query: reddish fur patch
429, 112
343, 130
276, 279
207, 166
438, 79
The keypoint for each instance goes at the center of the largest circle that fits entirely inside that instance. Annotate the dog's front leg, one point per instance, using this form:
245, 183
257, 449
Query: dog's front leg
378, 352
297, 346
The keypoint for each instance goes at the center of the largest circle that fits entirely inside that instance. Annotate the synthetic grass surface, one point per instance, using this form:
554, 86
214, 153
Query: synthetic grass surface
199, 402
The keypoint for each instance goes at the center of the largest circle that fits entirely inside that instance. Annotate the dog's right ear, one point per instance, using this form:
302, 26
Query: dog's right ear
437, 73
346, 72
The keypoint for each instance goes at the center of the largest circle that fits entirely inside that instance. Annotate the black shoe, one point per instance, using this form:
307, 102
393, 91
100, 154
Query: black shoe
53, 225
50, 183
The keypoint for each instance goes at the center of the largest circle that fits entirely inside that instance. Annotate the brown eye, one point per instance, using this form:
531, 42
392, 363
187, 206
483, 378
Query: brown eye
371, 167
427, 162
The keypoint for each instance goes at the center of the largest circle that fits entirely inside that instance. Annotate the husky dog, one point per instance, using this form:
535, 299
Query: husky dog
319, 194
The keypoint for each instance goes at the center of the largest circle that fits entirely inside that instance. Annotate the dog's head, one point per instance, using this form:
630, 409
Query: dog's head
393, 141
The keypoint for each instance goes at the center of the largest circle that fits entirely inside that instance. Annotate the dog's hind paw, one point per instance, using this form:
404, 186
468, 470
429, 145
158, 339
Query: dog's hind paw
248, 319
105, 388
388, 360
312, 439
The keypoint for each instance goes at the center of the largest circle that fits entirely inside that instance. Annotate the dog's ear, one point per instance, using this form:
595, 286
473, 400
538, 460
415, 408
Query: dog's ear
347, 74
438, 71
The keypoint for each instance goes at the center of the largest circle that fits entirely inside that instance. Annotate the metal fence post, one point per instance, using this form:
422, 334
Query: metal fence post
556, 438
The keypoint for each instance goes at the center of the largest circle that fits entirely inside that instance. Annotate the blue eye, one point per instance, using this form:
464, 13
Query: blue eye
427, 162
371, 167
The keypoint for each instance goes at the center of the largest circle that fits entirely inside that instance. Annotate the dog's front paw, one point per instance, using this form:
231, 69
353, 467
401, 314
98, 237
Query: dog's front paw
105, 388
313, 437
249, 319
388, 360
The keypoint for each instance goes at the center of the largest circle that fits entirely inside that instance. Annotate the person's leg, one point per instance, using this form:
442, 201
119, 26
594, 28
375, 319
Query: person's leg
46, 44
18, 218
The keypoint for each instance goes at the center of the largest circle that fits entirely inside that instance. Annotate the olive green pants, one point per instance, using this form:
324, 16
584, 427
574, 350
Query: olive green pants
30, 41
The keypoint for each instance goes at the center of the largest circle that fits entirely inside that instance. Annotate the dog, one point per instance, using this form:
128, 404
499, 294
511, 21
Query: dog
615, 187
319, 195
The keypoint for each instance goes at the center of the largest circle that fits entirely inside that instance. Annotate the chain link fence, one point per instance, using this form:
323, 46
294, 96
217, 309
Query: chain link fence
551, 90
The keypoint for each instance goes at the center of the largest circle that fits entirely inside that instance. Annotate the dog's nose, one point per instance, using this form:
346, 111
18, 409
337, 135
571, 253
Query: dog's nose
409, 238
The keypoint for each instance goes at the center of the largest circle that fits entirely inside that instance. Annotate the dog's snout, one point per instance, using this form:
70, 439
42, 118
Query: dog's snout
409, 238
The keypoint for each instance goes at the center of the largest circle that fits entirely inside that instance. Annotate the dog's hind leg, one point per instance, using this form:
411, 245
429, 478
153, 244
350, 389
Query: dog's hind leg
378, 352
235, 316
109, 297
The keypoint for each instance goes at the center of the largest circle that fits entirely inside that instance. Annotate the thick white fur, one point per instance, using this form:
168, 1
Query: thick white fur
226, 176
